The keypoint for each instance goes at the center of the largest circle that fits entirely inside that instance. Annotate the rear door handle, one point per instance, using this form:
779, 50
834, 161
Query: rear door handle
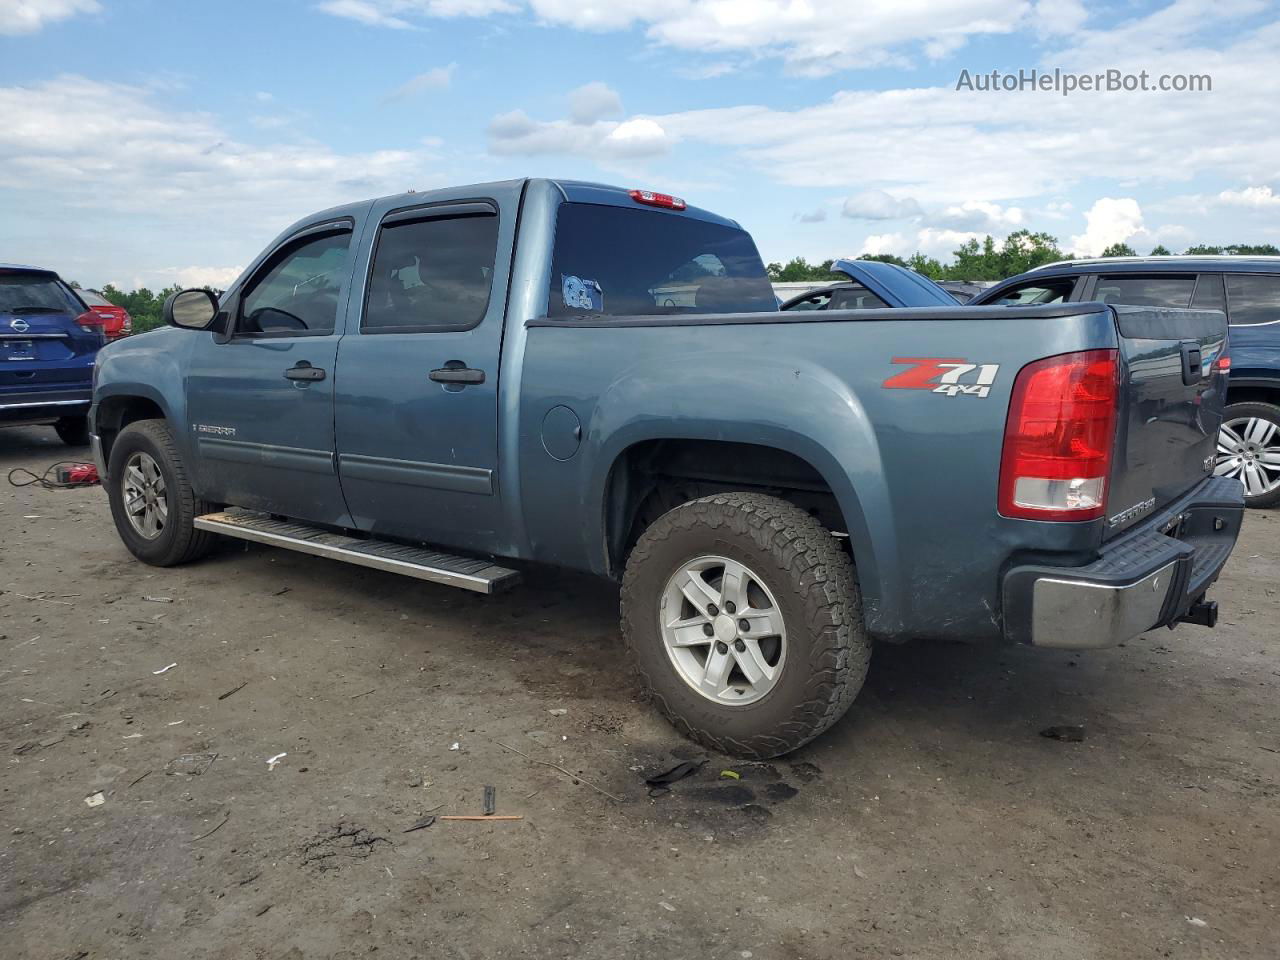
303, 371
455, 372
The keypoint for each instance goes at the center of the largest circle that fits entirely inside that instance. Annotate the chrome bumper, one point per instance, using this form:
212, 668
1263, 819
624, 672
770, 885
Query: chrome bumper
1151, 576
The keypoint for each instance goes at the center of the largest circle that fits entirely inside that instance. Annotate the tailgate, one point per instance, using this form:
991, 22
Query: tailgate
1172, 392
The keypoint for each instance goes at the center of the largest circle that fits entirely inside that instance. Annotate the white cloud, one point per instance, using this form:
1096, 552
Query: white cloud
881, 243
979, 215
594, 101
437, 78
103, 156
1110, 220
1260, 198
812, 216
31, 16
811, 36
879, 205
217, 277
638, 137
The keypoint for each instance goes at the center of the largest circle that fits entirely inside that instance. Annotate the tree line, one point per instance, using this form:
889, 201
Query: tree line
988, 260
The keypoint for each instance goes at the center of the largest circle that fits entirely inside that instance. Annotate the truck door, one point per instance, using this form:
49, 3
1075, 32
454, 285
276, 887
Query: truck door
260, 404
417, 386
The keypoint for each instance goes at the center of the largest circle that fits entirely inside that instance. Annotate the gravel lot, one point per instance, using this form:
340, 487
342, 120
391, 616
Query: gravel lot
932, 822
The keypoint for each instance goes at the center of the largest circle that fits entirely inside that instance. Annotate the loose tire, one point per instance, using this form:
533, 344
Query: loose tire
152, 502
73, 431
799, 650
1249, 450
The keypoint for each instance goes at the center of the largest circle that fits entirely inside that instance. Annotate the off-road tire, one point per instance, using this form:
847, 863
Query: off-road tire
73, 431
814, 584
1263, 411
179, 541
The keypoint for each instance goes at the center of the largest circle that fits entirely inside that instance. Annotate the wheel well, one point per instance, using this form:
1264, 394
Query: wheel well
653, 477
1253, 394
116, 413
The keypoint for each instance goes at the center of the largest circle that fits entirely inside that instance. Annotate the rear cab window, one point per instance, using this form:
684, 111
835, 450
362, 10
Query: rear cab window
621, 261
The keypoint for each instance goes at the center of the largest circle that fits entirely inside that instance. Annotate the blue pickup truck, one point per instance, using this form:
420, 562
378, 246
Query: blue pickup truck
443, 384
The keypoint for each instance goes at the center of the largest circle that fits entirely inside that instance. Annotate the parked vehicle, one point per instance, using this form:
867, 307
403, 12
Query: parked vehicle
872, 285
116, 321
48, 342
494, 371
965, 290
1247, 288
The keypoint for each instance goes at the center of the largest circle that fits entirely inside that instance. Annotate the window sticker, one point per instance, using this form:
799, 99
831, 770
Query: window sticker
580, 294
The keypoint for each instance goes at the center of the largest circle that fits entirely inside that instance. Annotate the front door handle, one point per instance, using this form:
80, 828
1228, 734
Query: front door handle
455, 372
304, 371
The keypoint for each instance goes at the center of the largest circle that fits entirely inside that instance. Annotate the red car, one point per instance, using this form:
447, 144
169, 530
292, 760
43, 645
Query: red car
116, 322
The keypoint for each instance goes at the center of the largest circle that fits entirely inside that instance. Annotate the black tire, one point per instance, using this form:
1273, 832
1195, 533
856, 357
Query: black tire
73, 431
814, 585
179, 541
1261, 411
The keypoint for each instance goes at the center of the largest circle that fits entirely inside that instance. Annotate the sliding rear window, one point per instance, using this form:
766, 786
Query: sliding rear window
621, 261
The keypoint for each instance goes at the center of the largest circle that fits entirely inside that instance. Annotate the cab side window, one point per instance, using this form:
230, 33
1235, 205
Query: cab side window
298, 293
1255, 298
1049, 290
431, 275
855, 297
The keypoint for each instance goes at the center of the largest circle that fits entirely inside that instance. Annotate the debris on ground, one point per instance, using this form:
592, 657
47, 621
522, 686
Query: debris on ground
575, 777
236, 689
341, 843
473, 816
1067, 733
490, 806
190, 764
660, 783
95, 799
421, 824
163, 670
220, 825
730, 775
455, 746
558, 712
272, 761
159, 599
1196, 922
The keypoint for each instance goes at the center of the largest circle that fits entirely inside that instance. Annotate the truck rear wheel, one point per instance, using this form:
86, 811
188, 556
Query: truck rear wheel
152, 502
744, 619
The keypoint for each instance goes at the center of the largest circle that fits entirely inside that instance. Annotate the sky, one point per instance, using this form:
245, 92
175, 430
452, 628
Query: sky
152, 142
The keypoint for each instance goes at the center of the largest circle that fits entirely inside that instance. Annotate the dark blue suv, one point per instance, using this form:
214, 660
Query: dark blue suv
49, 340
1246, 288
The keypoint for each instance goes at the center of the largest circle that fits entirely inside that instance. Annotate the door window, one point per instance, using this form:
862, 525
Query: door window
298, 294
1210, 294
431, 275
1157, 291
855, 297
1255, 298
1048, 290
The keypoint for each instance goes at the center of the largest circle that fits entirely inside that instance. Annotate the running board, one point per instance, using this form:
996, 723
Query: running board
480, 576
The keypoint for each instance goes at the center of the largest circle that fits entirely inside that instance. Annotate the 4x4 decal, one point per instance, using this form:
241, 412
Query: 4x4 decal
943, 375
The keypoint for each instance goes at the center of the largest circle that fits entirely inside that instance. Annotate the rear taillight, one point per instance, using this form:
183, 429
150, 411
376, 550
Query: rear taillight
91, 320
1059, 437
1224, 362
665, 200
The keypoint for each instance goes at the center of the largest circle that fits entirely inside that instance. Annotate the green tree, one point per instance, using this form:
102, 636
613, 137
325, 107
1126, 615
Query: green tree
1160, 250
1119, 250
799, 270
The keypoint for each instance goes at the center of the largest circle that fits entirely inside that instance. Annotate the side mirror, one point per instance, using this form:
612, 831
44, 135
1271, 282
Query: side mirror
190, 309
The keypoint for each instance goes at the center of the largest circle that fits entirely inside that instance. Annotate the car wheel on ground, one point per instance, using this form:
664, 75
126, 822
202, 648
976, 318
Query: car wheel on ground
743, 616
152, 502
73, 431
1249, 450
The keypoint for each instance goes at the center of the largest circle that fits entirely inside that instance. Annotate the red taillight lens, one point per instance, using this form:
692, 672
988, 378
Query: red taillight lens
91, 320
1059, 437
1224, 363
652, 199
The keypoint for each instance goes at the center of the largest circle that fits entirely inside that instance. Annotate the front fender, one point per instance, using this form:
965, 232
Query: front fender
148, 366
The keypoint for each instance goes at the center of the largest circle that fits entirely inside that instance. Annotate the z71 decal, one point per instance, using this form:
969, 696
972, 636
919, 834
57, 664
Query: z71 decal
944, 375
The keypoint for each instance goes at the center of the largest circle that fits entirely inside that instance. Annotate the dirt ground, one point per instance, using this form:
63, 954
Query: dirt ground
932, 822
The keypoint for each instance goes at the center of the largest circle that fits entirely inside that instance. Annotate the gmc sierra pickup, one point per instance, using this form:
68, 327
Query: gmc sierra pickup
566, 373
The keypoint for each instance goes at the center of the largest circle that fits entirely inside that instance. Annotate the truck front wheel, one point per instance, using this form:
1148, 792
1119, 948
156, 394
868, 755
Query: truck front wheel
152, 502
744, 619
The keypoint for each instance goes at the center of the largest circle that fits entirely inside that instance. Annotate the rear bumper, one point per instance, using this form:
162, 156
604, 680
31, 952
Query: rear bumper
33, 407
1148, 578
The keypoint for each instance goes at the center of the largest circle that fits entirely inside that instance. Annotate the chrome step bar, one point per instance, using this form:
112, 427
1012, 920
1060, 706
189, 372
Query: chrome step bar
480, 576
